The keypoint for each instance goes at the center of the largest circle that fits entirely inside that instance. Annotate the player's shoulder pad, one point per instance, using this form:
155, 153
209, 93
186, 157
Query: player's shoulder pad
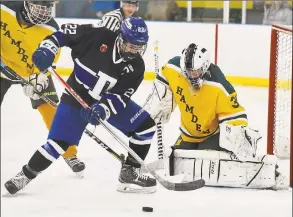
175, 61
53, 24
217, 76
12, 5
174, 64
109, 34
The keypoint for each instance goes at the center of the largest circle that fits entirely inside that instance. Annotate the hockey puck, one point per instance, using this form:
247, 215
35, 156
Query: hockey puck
147, 209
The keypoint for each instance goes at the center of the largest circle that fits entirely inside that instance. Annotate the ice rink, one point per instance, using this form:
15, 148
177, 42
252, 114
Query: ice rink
60, 193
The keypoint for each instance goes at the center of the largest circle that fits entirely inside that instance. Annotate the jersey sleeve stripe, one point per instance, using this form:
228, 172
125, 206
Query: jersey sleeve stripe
120, 99
160, 78
239, 117
8, 10
112, 106
231, 115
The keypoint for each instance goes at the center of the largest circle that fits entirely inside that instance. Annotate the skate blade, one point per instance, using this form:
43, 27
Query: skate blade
132, 188
6, 193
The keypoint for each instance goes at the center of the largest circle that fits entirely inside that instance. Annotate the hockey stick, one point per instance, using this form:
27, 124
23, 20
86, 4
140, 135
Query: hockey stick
160, 162
23, 81
156, 165
168, 185
159, 124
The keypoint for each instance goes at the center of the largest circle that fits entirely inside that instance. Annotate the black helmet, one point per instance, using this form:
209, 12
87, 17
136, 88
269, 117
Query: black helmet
39, 12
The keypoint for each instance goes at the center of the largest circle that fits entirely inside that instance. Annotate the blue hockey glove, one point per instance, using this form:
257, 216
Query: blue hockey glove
94, 113
44, 56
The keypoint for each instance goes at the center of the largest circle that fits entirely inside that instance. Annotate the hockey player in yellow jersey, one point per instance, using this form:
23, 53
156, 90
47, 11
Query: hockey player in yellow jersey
24, 24
215, 141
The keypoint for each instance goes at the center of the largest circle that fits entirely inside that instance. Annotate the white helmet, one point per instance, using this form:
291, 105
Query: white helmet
39, 12
194, 63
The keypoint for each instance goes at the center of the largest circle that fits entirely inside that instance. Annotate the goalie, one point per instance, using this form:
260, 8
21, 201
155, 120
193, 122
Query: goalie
216, 143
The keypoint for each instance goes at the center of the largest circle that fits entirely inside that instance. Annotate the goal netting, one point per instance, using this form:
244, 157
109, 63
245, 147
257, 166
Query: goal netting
280, 93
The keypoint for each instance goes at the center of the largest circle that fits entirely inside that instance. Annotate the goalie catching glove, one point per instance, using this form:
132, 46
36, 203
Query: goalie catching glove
37, 82
240, 140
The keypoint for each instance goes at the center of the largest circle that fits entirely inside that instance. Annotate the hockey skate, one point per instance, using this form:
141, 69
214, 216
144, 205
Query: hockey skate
17, 183
76, 165
131, 180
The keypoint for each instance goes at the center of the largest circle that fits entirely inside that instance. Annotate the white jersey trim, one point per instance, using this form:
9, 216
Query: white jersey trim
8, 10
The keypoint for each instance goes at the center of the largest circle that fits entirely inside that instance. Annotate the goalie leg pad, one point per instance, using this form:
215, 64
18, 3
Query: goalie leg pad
218, 169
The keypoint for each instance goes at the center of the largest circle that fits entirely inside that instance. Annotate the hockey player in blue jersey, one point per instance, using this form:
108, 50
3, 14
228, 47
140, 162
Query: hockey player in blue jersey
108, 68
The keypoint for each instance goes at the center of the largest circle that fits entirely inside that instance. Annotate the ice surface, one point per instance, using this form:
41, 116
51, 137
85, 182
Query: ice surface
59, 193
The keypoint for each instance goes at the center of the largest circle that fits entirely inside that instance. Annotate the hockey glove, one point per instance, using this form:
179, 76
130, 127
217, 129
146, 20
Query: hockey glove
40, 82
241, 140
94, 113
44, 56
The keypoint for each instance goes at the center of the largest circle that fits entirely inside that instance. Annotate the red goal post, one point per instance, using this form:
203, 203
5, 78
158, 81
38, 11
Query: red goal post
279, 138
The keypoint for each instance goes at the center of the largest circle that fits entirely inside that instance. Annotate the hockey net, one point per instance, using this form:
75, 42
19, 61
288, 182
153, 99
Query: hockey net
280, 95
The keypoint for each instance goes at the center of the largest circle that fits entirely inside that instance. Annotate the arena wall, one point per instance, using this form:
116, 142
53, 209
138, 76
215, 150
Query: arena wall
241, 51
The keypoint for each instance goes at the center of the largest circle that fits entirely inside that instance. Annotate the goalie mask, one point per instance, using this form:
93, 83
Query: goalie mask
133, 38
39, 12
194, 64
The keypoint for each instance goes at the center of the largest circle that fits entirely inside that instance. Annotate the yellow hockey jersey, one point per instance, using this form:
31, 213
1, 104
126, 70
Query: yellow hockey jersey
18, 42
204, 109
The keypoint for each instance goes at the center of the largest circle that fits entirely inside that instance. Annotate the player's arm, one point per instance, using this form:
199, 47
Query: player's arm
71, 35
113, 101
56, 28
117, 98
235, 135
229, 110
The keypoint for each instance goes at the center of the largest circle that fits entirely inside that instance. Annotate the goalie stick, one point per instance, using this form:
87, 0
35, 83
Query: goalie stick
159, 124
121, 157
167, 184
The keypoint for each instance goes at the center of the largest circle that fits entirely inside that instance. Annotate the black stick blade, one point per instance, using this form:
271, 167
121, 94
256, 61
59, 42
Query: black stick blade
190, 186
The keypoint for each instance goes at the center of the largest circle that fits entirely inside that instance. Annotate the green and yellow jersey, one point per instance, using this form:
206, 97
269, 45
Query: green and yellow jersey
18, 41
202, 110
